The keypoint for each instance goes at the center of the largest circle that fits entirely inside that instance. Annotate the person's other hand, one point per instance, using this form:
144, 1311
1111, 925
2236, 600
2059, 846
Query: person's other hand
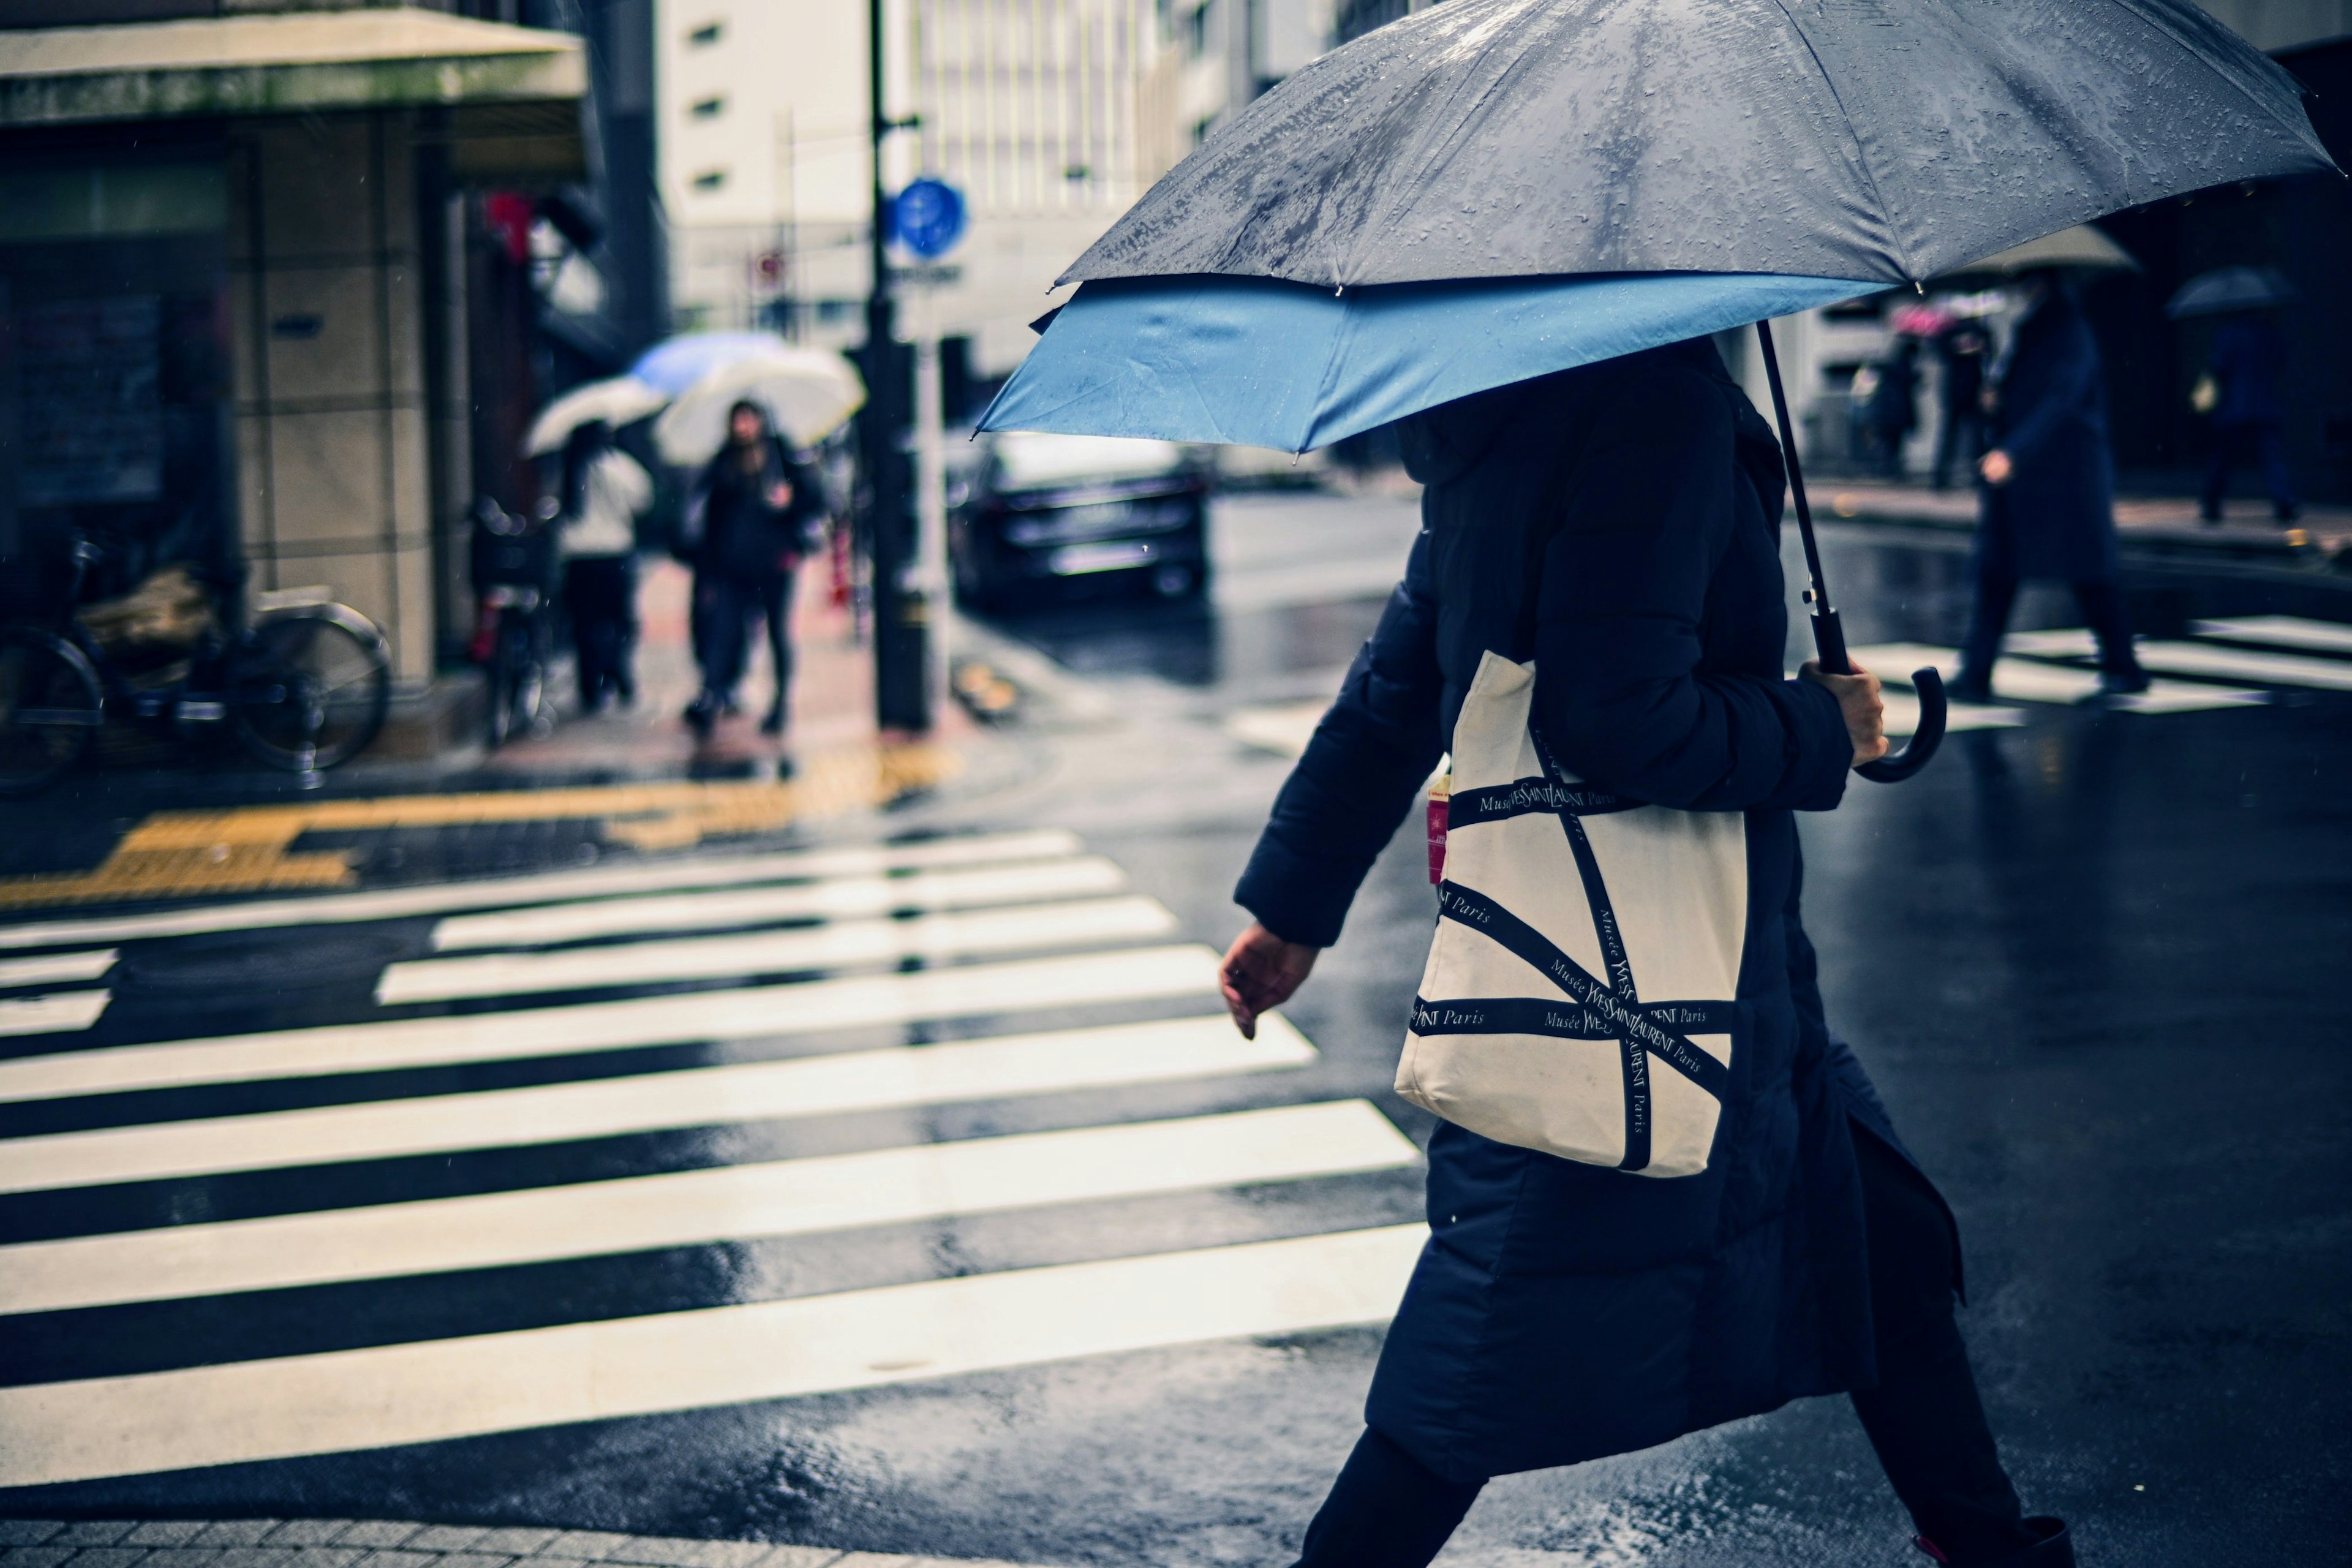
1858, 700
1260, 973
779, 495
1996, 466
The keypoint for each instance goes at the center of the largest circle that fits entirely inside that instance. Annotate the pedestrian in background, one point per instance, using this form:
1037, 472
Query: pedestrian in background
1893, 411
1961, 350
750, 521
1620, 523
605, 492
2047, 502
2240, 394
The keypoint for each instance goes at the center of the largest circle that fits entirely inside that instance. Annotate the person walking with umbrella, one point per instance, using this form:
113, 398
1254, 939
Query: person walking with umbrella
2239, 392
605, 491
1962, 348
748, 521
2047, 506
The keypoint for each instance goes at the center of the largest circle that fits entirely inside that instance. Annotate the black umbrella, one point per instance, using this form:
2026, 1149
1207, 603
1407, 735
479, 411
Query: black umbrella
2227, 289
1887, 140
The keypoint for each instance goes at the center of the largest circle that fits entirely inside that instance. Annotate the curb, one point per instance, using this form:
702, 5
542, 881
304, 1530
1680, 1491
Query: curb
394, 1543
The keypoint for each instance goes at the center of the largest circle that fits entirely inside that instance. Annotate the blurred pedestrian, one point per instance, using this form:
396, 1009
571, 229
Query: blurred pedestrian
750, 521
1618, 523
1961, 350
605, 492
2047, 503
1893, 411
2248, 417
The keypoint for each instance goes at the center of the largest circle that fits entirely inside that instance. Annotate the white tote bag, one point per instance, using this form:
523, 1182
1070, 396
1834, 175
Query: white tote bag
1579, 993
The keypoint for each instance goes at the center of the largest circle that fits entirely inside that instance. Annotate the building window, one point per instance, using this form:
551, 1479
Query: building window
709, 108
710, 180
706, 35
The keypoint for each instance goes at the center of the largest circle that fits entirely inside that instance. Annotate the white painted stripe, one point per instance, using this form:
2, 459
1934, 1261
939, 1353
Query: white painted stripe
694, 1096
52, 967
429, 1392
2280, 631
51, 1014
685, 1208
849, 944
2204, 659
745, 1012
498, 892
842, 900
2023, 681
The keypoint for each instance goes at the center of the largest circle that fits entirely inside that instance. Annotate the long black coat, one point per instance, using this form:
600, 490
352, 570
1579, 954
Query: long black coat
2056, 516
1563, 1312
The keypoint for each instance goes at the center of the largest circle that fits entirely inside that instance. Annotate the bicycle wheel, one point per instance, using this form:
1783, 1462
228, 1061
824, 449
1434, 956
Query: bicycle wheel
50, 708
312, 684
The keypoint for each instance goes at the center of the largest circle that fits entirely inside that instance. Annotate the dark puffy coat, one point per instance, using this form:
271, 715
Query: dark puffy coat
1563, 1312
2248, 362
732, 531
2056, 517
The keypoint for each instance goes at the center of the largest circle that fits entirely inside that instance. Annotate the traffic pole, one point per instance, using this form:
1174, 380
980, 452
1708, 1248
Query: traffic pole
901, 687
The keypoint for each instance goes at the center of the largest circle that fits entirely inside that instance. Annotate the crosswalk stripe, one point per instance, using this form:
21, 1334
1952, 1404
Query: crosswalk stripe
52, 967
843, 899
2024, 681
806, 1007
2282, 631
54, 1014
790, 1197
495, 892
2202, 658
847, 944
798, 1087
436, 1390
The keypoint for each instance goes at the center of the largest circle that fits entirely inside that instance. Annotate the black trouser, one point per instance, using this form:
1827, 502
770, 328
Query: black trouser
724, 607
1962, 436
2102, 604
2266, 443
1387, 1510
600, 593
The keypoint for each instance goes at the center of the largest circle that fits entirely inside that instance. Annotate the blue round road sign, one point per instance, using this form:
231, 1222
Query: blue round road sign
927, 218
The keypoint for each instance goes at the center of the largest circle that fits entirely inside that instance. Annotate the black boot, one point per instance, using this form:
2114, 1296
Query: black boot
2054, 1549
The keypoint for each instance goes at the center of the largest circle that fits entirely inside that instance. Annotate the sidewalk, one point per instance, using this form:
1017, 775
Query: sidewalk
2164, 526
387, 1543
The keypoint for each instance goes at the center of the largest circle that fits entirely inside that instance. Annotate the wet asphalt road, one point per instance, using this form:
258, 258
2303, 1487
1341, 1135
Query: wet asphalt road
2092, 957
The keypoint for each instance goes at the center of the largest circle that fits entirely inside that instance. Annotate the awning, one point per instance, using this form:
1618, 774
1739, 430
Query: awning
497, 84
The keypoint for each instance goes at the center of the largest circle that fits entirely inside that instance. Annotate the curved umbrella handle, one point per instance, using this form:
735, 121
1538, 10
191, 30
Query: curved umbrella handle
1923, 741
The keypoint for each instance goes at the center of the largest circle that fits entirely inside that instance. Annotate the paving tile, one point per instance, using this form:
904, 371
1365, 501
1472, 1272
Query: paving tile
589, 1545
675, 1551
799, 1557
29, 1532
377, 1533
235, 1532
259, 1557
308, 1531
400, 1557
35, 1556
108, 1556
164, 1532
187, 1556
93, 1533
518, 1541
471, 1559
444, 1538
877, 1560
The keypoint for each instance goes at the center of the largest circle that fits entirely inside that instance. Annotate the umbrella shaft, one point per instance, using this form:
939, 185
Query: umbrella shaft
1829, 636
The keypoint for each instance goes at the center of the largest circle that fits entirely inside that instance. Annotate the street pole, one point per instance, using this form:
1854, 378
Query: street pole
931, 493
901, 687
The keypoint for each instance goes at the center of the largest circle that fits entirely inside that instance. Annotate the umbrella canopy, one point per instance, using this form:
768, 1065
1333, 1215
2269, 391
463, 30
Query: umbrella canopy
807, 392
1253, 362
676, 364
1885, 140
2082, 248
617, 401
2227, 289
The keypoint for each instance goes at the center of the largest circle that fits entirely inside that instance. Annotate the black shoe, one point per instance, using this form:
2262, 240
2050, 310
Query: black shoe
2053, 1549
1973, 689
2121, 683
625, 691
773, 724
701, 714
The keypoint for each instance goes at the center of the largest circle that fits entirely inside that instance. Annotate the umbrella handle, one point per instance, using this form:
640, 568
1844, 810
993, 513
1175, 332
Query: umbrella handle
1916, 752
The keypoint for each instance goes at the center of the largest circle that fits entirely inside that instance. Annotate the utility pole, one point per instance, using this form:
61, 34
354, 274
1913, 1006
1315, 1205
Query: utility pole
901, 612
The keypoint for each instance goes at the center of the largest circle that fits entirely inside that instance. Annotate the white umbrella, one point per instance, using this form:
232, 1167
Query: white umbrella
807, 392
616, 402
2081, 246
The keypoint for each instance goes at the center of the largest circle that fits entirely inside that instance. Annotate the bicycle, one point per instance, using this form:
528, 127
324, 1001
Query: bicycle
303, 687
514, 577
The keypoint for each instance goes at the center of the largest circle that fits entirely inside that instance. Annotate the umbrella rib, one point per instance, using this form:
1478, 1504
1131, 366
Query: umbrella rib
1861, 154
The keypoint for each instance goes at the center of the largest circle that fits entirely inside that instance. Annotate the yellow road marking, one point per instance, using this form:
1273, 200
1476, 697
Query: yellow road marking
183, 854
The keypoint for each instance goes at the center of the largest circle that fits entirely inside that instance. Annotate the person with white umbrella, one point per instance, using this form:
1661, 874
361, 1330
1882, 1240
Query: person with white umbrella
605, 492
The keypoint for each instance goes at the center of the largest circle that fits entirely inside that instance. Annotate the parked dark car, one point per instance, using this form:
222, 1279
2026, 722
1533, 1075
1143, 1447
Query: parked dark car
1040, 517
